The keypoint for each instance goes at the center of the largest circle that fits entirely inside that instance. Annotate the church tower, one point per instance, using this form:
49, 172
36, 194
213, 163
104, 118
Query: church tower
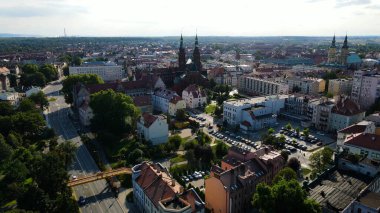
181, 56
197, 56
331, 57
344, 52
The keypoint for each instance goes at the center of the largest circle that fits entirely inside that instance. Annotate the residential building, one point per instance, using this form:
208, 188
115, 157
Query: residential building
367, 127
254, 113
368, 200
153, 128
340, 86
322, 114
375, 118
167, 101
311, 86
231, 186
365, 88
144, 103
345, 113
4, 80
108, 71
256, 86
194, 96
365, 144
156, 191
12, 97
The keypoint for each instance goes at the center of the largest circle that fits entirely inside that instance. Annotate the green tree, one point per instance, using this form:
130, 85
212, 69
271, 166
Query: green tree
285, 174
298, 131
30, 68
26, 105
306, 132
5, 149
180, 115
40, 99
285, 155
288, 126
113, 111
49, 71
321, 159
294, 164
221, 149
72, 80
263, 198
6, 108
34, 199
77, 61
176, 140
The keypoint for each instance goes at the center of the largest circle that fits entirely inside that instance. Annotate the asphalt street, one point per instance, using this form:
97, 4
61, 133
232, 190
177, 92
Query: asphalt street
99, 197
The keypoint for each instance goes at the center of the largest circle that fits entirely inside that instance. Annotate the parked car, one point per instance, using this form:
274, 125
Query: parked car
82, 200
319, 144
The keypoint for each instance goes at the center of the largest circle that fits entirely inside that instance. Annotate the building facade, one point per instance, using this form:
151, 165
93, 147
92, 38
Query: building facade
258, 112
108, 71
340, 86
256, 86
345, 113
312, 86
365, 88
153, 128
167, 101
194, 96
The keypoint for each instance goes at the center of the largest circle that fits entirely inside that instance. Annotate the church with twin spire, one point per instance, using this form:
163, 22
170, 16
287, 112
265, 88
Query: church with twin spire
333, 57
193, 64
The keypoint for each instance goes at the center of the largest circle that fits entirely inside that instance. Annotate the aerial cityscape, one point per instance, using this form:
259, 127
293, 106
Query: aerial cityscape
208, 106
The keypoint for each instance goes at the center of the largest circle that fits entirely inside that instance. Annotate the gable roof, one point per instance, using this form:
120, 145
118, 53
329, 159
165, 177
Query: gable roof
144, 100
149, 119
368, 141
346, 106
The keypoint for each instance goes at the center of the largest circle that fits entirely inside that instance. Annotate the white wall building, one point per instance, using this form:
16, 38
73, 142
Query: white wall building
365, 88
194, 96
306, 85
167, 101
12, 97
258, 86
153, 128
254, 113
108, 71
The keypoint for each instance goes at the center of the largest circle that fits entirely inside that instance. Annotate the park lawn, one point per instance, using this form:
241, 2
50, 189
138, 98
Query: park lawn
10, 204
210, 109
179, 158
52, 99
305, 171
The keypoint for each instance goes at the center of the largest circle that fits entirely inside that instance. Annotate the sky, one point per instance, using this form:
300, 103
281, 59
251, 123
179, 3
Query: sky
207, 17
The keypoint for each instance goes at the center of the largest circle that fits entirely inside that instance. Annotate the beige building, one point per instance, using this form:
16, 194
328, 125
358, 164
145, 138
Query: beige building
257, 86
311, 86
340, 86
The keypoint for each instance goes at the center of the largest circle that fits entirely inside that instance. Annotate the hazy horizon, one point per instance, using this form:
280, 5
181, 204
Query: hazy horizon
152, 18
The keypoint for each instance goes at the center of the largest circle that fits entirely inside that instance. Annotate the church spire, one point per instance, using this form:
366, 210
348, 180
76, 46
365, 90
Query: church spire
181, 56
181, 43
333, 42
197, 55
196, 39
345, 45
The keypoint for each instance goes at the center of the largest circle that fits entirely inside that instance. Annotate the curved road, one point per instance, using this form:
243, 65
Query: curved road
99, 197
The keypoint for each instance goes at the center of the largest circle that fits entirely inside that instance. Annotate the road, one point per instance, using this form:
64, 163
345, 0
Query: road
99, 198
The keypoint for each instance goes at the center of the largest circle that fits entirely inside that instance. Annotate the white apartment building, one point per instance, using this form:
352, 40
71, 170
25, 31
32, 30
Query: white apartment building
108, 71
12, 97
365, 88
256, 86
167, 101
254, 113
340, 86
153, 128
194, 96
305, 85
320, 113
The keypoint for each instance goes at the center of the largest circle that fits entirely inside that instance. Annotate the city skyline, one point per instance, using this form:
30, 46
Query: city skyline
170, 18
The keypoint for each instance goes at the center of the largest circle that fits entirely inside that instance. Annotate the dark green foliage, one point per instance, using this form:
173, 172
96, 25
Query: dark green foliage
221, 149
49, 71
285, 174
5, 149
72, 80
40, 99
180, 115
114, 112
320, 160
294, 164
6, 108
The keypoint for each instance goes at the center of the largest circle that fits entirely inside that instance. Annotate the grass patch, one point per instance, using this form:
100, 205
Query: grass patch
210, 109
28, 181
52, 99
305, 171
179, 158
10, 204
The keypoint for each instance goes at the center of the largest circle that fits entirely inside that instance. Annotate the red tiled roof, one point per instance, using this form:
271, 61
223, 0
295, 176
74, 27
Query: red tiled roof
347, 107
368, 141
149, 119
4, 70
353, 129
142, 100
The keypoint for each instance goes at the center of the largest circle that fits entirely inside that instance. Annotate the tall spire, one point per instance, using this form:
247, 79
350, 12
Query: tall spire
333, 42
345, 45
181, 43
197, 55
196, 39
181, 56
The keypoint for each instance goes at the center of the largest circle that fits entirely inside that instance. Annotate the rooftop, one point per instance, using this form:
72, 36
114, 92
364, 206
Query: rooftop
338, 190
368, 141
255, 100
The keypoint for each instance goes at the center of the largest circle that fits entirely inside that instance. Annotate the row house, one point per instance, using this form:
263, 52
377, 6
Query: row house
340, 86
257, 86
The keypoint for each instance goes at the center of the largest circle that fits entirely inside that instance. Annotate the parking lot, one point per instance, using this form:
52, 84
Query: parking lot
196, 178
236, 140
